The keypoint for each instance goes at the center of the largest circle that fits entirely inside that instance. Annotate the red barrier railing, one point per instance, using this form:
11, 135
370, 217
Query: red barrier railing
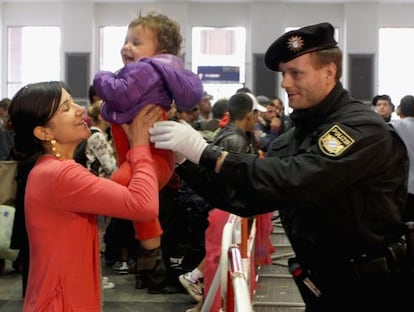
236, 271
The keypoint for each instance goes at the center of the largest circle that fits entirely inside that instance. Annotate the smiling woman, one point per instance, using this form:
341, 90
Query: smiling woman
57, 127
64, 244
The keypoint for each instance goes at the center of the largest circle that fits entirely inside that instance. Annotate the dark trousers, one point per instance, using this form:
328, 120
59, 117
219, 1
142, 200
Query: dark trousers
119, 234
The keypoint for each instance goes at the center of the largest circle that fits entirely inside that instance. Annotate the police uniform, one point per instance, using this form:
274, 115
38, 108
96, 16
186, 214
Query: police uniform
339, 180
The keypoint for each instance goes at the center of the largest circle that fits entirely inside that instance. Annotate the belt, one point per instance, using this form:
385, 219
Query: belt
393, 262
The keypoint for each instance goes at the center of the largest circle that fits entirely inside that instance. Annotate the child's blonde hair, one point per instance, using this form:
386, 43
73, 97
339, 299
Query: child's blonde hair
166, 31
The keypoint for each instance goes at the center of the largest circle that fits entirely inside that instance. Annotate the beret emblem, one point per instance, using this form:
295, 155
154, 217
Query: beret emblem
295, 43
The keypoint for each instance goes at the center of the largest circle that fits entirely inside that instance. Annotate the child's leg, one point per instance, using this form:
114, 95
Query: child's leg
120, 142
150, 269
164, 162
164, 159
150, 266
147, 231
164, 168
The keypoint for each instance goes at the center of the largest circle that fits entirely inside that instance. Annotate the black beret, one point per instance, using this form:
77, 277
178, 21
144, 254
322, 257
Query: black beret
298, 42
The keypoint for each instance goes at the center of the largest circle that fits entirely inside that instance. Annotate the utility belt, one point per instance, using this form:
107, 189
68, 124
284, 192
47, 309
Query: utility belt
393, 262
312, 283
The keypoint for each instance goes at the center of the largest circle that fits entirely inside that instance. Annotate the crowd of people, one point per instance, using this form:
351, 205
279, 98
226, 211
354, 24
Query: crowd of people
164, 166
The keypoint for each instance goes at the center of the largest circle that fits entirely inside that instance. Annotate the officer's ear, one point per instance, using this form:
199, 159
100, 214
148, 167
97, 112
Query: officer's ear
331, 71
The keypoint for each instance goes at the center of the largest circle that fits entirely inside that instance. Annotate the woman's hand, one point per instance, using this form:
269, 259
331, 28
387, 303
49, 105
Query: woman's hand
138, 130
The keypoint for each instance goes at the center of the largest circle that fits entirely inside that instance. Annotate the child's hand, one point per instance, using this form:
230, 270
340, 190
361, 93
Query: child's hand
138, 130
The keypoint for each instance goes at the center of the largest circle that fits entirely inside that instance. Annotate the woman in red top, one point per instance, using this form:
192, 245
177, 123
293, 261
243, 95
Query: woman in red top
63, 198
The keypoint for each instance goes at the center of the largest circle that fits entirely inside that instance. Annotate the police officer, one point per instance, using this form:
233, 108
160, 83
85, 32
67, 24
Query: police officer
338, 178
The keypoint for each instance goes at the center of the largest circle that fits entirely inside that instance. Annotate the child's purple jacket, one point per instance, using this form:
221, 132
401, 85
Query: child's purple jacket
158, 80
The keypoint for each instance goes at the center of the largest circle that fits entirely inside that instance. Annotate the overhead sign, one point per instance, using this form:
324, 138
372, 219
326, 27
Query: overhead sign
219, 73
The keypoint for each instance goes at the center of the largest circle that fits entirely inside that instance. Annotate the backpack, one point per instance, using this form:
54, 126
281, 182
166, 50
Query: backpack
80, 155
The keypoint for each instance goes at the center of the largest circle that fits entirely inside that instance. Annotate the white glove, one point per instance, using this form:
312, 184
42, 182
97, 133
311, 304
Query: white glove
179, 158
178, 137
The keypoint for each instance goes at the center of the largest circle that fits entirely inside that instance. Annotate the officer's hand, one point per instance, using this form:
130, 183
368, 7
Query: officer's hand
179, 137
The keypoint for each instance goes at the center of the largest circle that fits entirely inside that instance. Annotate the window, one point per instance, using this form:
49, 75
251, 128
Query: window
395, 60
219, 57
33, 56
111, 39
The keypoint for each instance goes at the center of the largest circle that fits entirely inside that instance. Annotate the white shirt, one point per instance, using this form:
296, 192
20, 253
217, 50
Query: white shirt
405, 128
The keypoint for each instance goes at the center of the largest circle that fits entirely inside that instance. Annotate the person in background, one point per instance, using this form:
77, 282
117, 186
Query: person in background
100, 160
6, 134
6, 143
64, 244
268, 125
92, 96
113, 229
205, 107
245, 90
220, 107
4, 108
183, 216
286, 122
272, 123
338, 178
153, 73
189, 116
225, 120
398, 111
383, 106
19, 239
209, 128
100, 156
405, 128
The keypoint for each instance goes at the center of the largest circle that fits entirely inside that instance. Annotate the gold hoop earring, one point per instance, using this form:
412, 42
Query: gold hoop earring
53, 144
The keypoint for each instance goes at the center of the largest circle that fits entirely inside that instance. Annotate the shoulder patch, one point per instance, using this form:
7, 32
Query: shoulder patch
335, 141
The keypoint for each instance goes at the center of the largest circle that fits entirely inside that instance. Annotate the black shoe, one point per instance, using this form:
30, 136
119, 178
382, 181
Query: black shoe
151, 272
141, 280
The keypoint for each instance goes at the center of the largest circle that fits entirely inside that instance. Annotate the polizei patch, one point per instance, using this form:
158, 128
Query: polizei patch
335, 141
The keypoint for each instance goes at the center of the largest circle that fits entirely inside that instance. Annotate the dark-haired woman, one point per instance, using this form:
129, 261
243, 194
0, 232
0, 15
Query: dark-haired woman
63, 198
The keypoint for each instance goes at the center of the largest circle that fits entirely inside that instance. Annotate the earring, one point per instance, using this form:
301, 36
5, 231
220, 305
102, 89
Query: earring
53, 143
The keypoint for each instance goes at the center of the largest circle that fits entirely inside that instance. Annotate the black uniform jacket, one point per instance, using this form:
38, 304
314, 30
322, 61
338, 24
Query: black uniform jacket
338, 178
232, 138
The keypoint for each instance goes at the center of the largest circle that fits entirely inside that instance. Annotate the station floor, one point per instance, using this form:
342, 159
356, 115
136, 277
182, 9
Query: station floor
276, 291
123, 298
